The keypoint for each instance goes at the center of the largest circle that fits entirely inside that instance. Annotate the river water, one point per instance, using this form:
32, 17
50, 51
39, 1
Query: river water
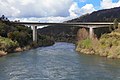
57, 62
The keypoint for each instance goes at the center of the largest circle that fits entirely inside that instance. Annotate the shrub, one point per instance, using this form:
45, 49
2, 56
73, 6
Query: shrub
23, 38
7, 44
82, 34
87, 43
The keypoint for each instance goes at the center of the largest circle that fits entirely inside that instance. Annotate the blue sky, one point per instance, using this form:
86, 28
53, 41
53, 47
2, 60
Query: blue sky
52, 10
96, 3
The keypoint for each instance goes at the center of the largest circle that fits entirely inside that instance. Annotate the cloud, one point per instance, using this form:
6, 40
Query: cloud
43, 10
105, 4
76, 11
43, 19
88, 8
35, 8
7, 9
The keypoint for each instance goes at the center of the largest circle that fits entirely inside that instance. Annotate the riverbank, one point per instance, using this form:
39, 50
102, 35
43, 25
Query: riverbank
107, 46
8, 46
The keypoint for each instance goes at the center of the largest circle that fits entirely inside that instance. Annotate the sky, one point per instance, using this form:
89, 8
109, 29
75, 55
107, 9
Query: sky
52, 10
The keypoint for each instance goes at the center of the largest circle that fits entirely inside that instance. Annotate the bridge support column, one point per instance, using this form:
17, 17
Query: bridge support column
91, 33
35, 33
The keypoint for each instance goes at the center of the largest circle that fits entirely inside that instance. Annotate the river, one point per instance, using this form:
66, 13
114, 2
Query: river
57, 62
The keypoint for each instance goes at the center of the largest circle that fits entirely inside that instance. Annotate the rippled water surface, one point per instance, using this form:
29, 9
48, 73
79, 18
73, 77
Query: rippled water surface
57, 62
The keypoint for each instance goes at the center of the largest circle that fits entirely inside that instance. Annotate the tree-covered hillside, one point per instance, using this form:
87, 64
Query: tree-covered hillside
60, 33
13, 36
105, 15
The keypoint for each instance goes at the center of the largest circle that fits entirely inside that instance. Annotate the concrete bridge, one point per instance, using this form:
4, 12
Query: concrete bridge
90, 25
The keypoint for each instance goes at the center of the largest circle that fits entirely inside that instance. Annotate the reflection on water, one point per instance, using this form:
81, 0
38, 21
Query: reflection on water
57, 62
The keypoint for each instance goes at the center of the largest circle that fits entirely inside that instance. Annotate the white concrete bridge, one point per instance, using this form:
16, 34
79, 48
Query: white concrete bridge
90, 25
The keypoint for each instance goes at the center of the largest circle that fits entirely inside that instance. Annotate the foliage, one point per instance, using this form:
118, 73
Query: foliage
82, 34
4, 29
7, 44
23, 29
23, 38
45, 40
60, 33
109, 40
85, 44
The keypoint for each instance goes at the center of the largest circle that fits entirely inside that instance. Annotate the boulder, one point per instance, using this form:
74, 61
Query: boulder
3, 53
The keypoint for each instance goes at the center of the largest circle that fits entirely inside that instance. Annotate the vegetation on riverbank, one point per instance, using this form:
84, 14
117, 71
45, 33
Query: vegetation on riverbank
108, 45
14, 38
7, 45
60, 33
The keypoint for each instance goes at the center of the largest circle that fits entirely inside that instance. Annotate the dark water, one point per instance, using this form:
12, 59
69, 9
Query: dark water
58, 62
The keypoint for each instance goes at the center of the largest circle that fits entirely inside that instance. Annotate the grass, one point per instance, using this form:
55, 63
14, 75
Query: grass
87, 43
6, 44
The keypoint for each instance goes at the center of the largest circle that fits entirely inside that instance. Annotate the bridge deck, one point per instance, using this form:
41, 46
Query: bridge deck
66, 24
80, 24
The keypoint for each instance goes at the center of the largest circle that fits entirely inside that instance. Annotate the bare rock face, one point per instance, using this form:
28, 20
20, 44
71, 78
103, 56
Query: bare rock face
3, 53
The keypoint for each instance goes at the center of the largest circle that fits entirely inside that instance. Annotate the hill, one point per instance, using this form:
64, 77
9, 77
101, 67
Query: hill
60, 33
105, 15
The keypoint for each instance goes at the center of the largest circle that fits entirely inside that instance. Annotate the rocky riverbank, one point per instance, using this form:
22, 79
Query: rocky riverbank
8, 46
18, 49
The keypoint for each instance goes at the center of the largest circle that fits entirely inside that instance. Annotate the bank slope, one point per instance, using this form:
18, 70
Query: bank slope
108, 45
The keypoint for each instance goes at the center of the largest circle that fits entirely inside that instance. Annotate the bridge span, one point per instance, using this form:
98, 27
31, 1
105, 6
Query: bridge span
90, 25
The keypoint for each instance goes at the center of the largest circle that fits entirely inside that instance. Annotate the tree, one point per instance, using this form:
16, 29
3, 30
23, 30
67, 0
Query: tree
115, 24
82, 34
3, 17
23, 38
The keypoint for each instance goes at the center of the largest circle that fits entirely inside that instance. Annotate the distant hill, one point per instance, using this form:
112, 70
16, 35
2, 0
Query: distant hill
105, 15
60, 33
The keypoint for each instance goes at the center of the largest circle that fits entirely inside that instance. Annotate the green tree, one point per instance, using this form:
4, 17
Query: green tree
23, 38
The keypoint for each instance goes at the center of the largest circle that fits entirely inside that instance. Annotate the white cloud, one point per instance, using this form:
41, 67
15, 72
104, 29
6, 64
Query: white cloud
43, 10
7, 9
88, 8
76, 11
43, 19
35, 8
105, 4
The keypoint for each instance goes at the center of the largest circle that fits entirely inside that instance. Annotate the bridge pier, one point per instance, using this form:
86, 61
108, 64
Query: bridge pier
91, 33
35, 33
